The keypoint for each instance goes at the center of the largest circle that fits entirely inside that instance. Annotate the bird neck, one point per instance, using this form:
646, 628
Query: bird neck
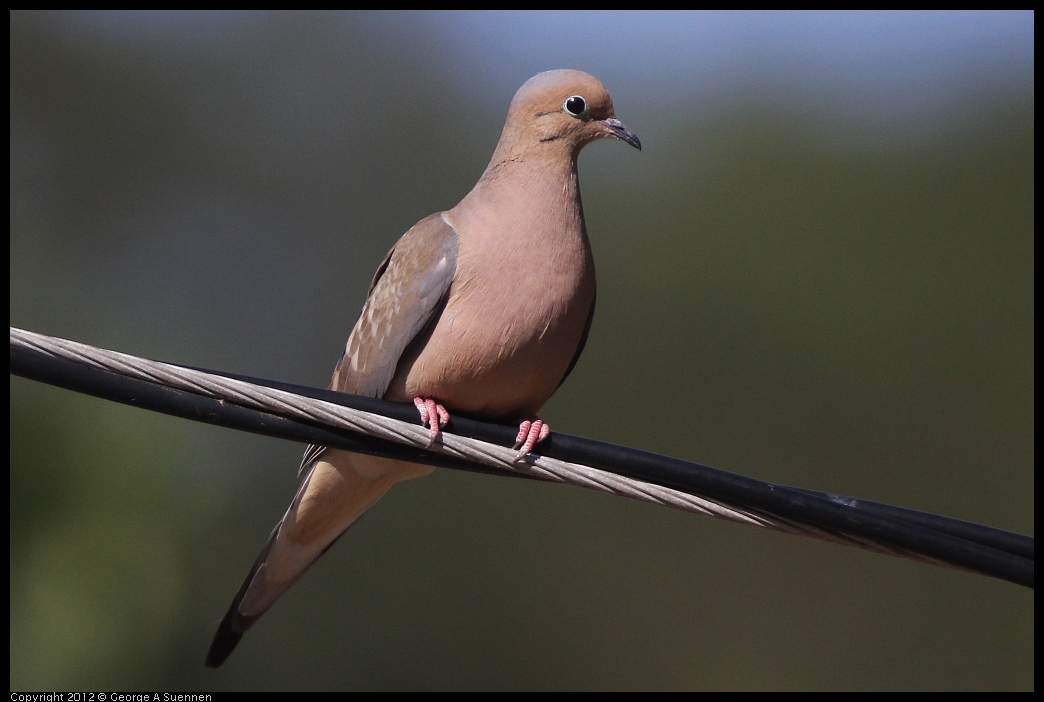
540, 185
517, 163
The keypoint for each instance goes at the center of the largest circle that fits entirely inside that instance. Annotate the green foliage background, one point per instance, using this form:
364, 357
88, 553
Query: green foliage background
775, 299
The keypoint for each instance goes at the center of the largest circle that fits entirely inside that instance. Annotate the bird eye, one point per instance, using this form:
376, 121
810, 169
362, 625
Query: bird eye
575, 105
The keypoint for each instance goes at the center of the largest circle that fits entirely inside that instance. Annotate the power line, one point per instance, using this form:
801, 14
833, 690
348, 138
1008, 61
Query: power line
370, 425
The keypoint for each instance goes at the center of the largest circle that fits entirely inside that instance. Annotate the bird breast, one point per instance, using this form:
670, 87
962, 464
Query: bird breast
516, 312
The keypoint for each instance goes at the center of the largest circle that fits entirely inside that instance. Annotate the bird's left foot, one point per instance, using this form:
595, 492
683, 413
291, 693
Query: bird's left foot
433, 415
529, 433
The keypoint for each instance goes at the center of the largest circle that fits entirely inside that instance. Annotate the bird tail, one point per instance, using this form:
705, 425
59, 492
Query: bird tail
339, 488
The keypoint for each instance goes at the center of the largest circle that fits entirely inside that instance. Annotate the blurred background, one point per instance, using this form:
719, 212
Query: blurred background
818, 272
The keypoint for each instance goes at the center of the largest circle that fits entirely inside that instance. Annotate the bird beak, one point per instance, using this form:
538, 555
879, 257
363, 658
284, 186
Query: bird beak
618, 130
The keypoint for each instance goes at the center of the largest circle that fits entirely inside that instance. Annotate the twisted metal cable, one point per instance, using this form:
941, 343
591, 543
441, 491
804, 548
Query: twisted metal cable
296, 406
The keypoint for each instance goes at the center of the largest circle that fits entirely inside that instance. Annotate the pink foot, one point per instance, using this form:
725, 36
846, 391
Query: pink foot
433, 415
529, 433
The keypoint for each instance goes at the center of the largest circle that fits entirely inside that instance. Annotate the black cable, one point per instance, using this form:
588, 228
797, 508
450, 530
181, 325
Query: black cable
1010, 542
579, 450
970, 546
97, 382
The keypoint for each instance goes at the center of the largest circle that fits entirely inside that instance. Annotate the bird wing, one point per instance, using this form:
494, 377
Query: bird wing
407, 292
406, 295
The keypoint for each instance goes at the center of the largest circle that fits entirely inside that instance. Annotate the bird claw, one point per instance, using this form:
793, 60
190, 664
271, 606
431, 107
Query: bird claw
530, 432
431, 410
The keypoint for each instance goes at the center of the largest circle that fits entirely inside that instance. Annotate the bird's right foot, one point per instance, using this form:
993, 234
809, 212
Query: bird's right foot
433, 415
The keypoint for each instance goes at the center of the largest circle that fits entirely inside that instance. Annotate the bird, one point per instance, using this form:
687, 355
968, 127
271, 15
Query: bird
482, 309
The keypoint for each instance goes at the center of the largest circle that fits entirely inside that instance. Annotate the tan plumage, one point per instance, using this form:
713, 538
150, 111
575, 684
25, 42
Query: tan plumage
483, 309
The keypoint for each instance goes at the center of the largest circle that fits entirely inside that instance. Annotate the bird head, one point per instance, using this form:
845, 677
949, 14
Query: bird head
563, 109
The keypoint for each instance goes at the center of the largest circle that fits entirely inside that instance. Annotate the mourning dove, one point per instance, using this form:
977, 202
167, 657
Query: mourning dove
482, 309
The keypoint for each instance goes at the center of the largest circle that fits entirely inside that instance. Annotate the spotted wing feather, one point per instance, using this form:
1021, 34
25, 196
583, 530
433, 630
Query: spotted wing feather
406, 294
